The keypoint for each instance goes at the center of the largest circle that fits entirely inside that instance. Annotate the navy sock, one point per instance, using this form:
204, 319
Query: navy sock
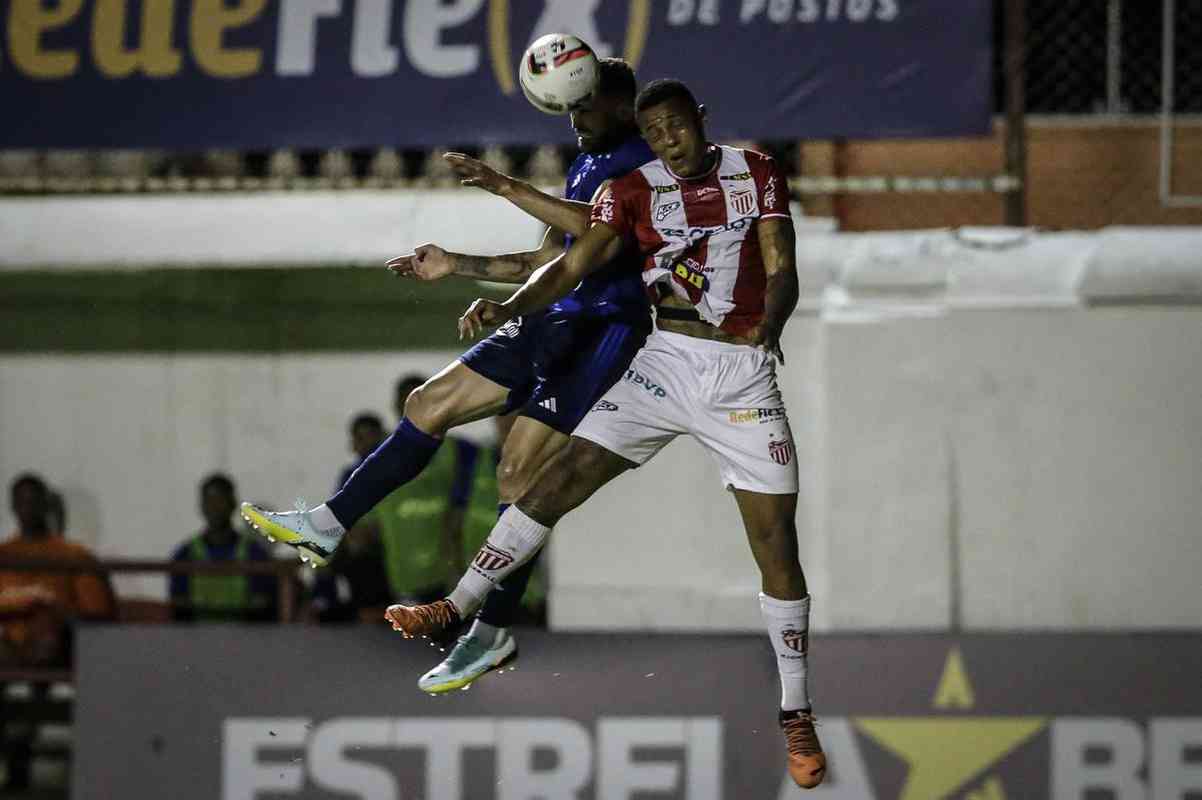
400, 459
501, 607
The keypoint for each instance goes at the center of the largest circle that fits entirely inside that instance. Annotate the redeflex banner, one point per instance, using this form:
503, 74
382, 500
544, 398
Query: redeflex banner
241, 713
325, 73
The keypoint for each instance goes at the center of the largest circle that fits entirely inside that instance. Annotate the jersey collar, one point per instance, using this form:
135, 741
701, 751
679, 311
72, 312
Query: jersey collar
710, 148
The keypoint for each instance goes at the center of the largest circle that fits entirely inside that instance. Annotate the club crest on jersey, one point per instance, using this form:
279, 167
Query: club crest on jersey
781, 451
742, 201
490, 559
663, 211
605, 405
795, 640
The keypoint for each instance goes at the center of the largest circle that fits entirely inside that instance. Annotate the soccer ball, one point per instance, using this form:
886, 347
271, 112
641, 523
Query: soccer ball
558, 73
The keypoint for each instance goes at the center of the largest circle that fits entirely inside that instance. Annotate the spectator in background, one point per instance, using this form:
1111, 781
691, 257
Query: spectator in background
227, 598
419, 528
37, 608
355, 583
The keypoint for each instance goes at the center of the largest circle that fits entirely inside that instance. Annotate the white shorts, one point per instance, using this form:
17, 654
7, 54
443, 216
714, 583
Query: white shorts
724, 395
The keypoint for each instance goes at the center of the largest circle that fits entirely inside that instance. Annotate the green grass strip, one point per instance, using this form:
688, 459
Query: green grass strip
254, 310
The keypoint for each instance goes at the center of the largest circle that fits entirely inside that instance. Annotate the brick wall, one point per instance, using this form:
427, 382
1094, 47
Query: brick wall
1081, 176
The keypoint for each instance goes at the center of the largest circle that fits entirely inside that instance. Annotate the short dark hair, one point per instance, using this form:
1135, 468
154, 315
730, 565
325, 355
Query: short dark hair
662, 90
29, 479
616, 79
410, 379
220, 481
367, 419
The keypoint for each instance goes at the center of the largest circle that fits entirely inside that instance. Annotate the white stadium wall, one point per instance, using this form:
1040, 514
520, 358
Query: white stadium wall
996, 429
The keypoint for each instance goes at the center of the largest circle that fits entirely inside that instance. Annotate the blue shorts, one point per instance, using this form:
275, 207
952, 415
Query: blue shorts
557, 367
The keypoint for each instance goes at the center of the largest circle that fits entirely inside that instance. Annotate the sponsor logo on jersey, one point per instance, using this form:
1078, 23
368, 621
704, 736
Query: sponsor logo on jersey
639, 379
738, 176
742, 201
605, 405
760, 415
694, 235
795, 640
781, 451
670, 187
490, 559
705, 191
770, 191
663, 211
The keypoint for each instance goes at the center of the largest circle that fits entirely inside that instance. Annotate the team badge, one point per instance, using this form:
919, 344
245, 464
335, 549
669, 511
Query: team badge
490, 559
742, 201
795, 640
781, 452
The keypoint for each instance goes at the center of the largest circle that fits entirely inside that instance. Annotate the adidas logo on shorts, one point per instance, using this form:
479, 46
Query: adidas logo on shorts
549, 404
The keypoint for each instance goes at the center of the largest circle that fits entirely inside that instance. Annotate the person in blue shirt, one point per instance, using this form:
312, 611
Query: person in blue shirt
550, 367
221, 598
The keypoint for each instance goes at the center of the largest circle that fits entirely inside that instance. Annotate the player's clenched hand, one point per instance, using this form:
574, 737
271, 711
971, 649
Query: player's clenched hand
428, 262
473, 172
480, 314
767, 338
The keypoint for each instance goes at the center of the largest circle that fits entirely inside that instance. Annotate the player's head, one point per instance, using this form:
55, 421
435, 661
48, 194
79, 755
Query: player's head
367, 431
673, 124
29, 497
609, 116
218, 499
404, 387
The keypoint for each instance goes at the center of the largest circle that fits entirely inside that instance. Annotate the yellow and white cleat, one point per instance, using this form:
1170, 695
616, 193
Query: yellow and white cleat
469, 660
294, 528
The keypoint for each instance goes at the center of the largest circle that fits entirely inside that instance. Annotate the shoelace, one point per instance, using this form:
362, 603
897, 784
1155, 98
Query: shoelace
437, 615
800, 737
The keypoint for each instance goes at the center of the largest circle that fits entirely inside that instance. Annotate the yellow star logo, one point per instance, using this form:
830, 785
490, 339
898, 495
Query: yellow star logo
943, 754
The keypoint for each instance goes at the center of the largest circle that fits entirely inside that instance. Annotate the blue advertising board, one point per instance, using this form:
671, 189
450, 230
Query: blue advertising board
184, 74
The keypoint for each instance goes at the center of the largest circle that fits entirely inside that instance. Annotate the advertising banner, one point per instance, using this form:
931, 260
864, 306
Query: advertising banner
328, 714
186, 74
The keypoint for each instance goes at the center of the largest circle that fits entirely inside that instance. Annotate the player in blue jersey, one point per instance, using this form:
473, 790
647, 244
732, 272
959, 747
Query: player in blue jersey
551, 367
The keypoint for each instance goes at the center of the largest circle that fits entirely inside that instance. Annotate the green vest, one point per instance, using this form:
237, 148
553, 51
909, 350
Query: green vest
218, 596
411, 526
481, 516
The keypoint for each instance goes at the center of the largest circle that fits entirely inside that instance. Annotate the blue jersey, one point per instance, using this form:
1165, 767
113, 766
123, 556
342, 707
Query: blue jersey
617, 288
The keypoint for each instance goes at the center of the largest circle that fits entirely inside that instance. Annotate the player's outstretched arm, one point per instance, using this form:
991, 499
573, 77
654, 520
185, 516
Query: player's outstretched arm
570, 216
548, 283
778, 246
429, 262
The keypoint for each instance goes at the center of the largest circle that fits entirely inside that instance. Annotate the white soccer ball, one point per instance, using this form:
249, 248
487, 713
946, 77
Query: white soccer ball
558, 73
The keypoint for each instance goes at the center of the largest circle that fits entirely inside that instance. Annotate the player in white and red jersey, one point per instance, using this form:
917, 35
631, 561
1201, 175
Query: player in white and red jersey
717, 242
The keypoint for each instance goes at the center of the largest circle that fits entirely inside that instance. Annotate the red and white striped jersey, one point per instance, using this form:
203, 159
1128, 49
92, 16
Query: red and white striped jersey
699, 235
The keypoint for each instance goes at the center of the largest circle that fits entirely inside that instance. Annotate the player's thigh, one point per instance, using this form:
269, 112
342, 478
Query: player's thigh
648, 407
570, 477
528, 447
455, 396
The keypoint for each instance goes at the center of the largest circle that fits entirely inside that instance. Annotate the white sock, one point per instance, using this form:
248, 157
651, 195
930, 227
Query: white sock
324, 520
514, 541
788, 627
485, 633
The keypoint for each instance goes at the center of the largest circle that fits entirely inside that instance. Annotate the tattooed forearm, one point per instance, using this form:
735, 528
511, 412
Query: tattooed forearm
510, 268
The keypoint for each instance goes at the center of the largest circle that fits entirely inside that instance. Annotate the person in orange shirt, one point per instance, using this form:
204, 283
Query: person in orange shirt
37, 608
